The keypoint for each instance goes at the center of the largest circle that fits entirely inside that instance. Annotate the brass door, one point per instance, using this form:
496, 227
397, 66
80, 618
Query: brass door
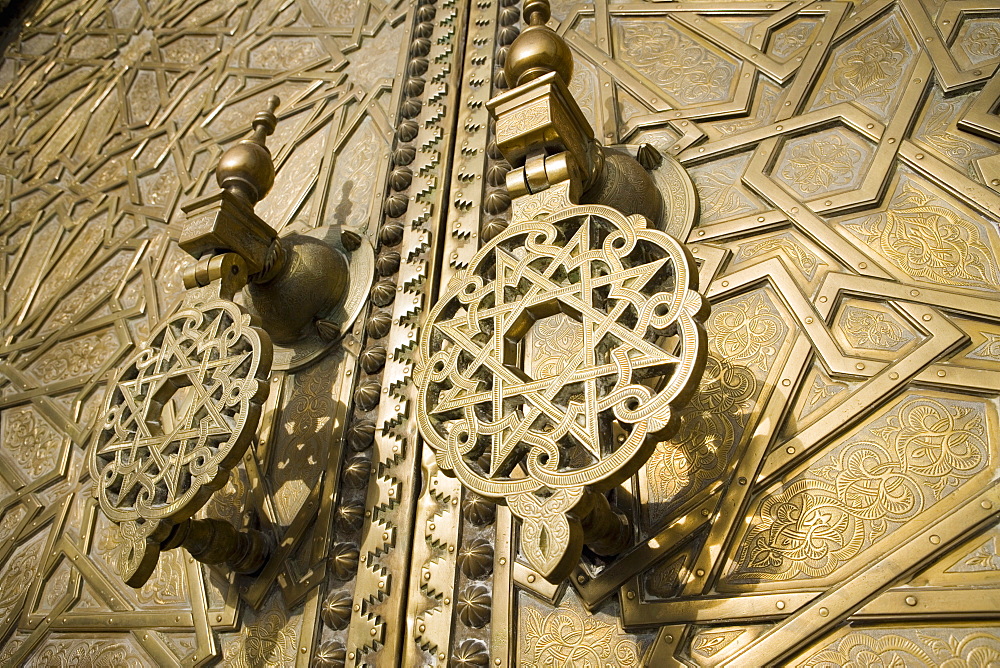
831, 496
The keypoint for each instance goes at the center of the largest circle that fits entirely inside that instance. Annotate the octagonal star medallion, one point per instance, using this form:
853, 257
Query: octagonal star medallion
616, 306
178, 417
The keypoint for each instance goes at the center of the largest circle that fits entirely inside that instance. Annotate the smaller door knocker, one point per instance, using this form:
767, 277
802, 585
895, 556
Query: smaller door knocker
553, 364
182, 410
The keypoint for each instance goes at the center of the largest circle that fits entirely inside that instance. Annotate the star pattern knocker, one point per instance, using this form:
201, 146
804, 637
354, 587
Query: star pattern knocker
152, 475
550, 445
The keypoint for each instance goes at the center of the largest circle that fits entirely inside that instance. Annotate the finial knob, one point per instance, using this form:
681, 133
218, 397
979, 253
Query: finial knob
537, 12
538, 50
246, 169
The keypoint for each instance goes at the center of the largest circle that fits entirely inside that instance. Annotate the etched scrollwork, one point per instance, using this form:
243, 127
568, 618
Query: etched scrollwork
931, 242
816, 523
564, 637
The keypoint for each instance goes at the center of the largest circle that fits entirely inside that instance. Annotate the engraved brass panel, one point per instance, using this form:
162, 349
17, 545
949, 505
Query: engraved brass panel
830, 496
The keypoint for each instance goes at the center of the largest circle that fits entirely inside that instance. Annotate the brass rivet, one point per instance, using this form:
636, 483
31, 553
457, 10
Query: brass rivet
531, 578
893, 376
935, 539
700, 572
823, 612
790, 450
780, 605
910, 600
986, 505
630, 595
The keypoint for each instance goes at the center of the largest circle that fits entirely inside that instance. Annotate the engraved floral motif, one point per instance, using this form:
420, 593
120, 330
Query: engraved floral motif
982, 40
989, 349
709, 427
553, 342
564, 637
30, 441
822, 389
933, 647
720, 191
875, 330
679, 65
929, 241
870, 69
820, 520
168, 583
986, 558
710, 643
791, 38
16, 577
746, 330
801, 257
817, 165
10, 522
76, 358
93, 654
939, 132
268, 642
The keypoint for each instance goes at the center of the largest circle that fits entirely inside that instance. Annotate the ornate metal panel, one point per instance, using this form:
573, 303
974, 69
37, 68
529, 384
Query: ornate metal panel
830, 496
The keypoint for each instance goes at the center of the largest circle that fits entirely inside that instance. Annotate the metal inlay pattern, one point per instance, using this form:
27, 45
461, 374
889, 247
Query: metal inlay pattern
830, 496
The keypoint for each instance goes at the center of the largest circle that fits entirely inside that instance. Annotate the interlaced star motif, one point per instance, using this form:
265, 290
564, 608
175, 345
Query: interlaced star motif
151, 474
539, 442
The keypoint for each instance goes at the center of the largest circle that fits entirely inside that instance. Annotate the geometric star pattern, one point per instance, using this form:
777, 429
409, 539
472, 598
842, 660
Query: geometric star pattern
112, 114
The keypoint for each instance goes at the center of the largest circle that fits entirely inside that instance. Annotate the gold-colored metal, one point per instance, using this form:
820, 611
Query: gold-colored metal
182, 410
843, 158
549, 437
159, 456
154, 469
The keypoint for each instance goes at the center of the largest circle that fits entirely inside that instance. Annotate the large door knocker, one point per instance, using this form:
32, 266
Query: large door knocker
182, 410
553, 364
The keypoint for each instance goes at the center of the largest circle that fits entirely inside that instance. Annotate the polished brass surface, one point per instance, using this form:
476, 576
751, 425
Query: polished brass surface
546, 426
158, 457
829, 497
548, 429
